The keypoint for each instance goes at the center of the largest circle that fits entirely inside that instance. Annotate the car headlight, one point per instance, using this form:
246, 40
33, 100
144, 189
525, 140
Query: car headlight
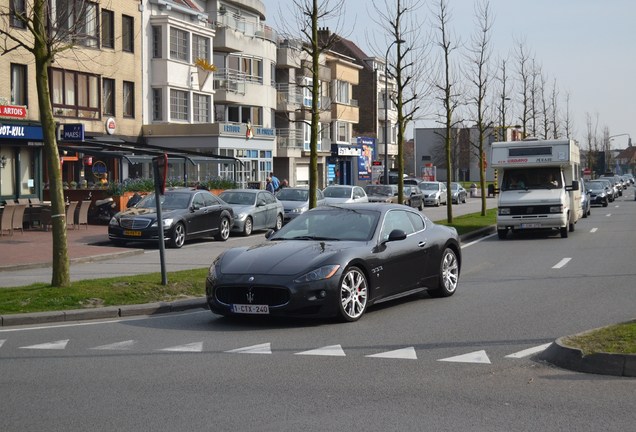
324, 272
299, 210
556, 209
504, 211
241, 216
113, 221
167, 223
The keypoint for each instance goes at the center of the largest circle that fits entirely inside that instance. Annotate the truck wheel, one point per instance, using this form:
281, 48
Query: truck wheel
564, 232
571, 227
502, 233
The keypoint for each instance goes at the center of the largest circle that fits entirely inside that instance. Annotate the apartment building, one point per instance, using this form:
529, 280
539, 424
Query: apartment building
94, 87
225, 110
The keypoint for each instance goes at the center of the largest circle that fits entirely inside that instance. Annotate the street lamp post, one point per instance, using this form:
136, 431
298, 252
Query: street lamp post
386, 110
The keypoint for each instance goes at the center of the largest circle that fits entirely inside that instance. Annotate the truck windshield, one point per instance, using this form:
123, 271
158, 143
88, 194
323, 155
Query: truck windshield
532, 178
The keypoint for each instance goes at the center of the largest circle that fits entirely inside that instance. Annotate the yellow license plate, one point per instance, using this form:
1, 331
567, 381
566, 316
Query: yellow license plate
132, 233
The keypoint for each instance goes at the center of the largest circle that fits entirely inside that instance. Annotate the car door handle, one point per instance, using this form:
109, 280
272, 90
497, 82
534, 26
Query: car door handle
421, 244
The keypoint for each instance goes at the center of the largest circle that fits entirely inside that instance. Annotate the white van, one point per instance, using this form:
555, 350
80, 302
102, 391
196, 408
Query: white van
538, 185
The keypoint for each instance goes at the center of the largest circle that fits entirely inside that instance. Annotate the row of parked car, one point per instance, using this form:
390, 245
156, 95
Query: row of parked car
604, 190
193, 213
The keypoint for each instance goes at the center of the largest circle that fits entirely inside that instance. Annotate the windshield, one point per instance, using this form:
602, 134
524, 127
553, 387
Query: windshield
379, 190
596, 185
429, 186
455, 186
532, 178
331, 224
287, 194
170, 201
337, 192
238, 198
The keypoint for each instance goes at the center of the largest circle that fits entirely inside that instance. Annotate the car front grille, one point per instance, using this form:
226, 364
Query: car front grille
529, 210
134, 223
259, 295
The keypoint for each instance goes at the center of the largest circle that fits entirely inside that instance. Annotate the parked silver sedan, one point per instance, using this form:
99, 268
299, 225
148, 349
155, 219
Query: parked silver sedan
344, 194
295, 200
434, 193
254, 209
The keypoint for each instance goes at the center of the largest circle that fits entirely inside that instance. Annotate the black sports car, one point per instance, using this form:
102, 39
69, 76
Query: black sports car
337, 260
186, 213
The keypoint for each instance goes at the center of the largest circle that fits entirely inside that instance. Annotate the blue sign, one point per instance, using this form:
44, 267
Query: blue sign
31, 133
73, 132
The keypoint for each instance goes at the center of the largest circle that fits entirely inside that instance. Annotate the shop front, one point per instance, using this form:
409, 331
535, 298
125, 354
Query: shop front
21, 155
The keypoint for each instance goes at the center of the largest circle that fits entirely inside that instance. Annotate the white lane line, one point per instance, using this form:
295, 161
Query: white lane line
2, 342
473, 357
265, 348
191, 347
124, 345
404, 353
464, 245
529, 351
593, 230
608, 215
331, 350
61, 344
562, 263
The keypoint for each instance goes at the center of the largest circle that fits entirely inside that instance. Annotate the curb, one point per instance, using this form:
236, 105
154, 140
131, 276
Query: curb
103, 313
482, 232
565, 357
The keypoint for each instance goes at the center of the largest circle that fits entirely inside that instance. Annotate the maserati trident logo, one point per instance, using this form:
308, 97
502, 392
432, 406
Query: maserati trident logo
250, 296
251, 279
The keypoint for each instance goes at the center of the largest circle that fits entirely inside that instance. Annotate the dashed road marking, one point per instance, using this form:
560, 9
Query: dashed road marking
331, 350
562, 263
124, 345
404, 353
57, 345
529, 351
191, 347
593, 230
265, 348
473, 357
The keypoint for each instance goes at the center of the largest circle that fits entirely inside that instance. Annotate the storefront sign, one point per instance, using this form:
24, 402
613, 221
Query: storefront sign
31, 133
13, 111
339, 150
73, 132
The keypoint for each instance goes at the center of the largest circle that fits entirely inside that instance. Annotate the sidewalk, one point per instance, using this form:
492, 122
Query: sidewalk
34, 248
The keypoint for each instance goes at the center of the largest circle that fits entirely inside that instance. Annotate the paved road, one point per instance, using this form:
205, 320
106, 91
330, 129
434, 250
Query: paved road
461, 363
193, 255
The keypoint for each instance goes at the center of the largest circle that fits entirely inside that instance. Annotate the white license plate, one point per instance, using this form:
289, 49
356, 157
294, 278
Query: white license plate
530, 225
250, 309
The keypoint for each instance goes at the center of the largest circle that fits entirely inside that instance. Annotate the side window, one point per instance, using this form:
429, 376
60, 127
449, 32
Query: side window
417, 221
396, 219
269, 198
319, 194
210, 200
198, 201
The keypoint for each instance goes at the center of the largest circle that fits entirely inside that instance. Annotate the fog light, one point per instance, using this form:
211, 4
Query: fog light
322, 294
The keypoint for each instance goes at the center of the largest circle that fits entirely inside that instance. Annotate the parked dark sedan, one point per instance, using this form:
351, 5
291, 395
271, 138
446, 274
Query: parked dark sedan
413, 197
186, 213
382, 193
337, 260
458, 193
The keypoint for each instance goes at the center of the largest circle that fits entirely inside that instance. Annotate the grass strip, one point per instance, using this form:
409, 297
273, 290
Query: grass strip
471, 222
619, 339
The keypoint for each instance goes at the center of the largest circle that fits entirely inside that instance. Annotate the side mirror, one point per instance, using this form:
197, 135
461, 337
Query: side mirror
269, 233
396, 234
575, 185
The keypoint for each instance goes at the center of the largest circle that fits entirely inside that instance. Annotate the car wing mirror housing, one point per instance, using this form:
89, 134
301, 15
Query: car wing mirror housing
396, 234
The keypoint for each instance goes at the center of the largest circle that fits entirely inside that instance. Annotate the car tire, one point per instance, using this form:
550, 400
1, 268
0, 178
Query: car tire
448, 275
564, 232
178, 236
605, 203
421, 206
353, 295
464, 200
224, 230
585, 213
248, 227
438, 203
571, 227
502, 233
279, 222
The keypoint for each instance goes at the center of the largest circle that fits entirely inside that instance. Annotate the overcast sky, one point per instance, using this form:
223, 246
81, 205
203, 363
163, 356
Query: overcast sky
587, 46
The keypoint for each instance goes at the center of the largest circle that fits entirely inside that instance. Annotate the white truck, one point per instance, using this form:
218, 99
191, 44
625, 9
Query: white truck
538, 185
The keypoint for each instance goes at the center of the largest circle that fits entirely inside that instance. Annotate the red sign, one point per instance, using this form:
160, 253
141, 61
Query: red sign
13, 111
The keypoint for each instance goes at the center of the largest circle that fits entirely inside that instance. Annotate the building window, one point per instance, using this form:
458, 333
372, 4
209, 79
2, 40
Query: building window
343, 132
178, 44
179, 104
19, 84
200, 108
249, 67
200, 48
129, 99
74, 94
17, 10
342, 92
75, 21
127, 33
108, 29
108, 96
156, 42
157, 104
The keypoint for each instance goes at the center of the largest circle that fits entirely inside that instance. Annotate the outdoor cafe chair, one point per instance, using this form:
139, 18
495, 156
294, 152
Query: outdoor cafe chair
7, 219
70, 214
18, 217
82, 218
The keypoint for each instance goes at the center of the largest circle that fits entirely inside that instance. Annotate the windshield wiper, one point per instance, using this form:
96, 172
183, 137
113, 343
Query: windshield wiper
307, 237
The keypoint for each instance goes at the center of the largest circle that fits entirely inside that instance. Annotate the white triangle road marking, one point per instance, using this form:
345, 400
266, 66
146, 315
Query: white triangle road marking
191, 347
404, 353
124, 345
2, 341
529, 351
331, 350
265, 348
473, 357
61, 344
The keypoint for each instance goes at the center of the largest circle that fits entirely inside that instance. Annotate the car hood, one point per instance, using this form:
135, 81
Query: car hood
289, 205
277, 258
338, 200
238, 209
150, 213
530, 197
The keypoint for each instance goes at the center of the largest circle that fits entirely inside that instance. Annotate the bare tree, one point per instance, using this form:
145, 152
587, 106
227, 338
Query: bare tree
479, 76
309, 15
545, 107
49, 33
448, 91
524, 70
554, 107
567, 119
407, 70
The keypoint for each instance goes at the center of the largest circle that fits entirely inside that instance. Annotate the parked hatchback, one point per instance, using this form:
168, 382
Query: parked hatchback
434, 193
254, 209
344, 194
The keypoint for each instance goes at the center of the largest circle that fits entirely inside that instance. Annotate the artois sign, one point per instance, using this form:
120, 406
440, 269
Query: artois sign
13, 111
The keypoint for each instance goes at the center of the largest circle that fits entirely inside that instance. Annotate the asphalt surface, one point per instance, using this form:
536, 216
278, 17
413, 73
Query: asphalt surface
32, 249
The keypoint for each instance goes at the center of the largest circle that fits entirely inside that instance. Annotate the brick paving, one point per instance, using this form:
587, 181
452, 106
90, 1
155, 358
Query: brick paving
34, 248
